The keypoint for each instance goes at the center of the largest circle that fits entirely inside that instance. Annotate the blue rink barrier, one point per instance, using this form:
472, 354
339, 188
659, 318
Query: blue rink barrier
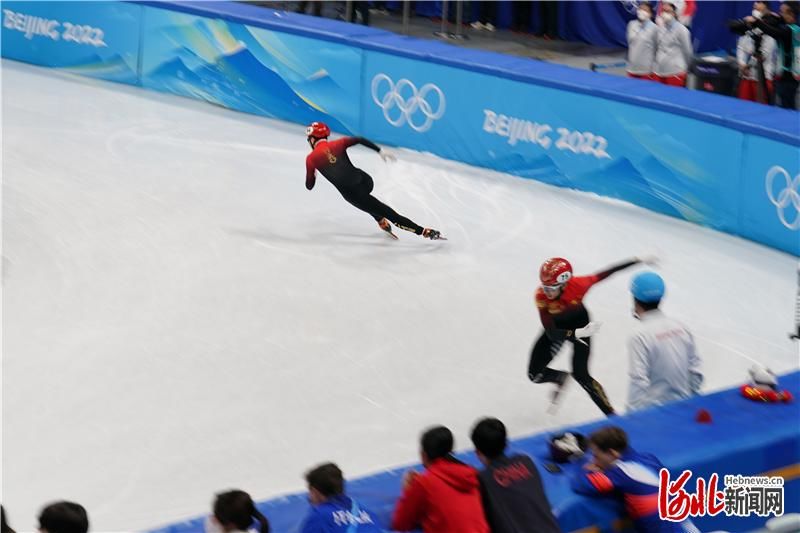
716, 161
744, 437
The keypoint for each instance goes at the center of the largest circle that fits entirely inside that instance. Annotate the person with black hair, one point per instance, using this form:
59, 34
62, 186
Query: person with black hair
331, 510
786, 32
617, 470
513, 496
445, 498
63, 517
233, 512
4, 527
663, 361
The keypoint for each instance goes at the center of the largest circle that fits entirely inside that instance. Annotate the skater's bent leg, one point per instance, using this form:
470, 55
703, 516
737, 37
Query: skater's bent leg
580, 371
542, 353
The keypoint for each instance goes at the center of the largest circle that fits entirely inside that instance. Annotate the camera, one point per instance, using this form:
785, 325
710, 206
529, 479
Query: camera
740, 27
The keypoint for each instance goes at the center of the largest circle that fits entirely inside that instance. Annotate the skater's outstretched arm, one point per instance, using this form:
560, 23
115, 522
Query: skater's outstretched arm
622, 266
386, 155
352, 141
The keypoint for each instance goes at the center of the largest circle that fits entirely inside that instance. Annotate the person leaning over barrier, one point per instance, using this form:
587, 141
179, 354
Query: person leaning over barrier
642, 38
513, 496
674, 48
663, 362
617, 470
331, 510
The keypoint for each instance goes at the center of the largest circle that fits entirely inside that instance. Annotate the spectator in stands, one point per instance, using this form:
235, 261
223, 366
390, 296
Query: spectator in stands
4, 527
747, 56
513, 496
663, 361
642, 38
234, 512
618, 471
786, 32
316, 7
487, 16
331, 510
674, 48
444, 499
684, 10
63, 517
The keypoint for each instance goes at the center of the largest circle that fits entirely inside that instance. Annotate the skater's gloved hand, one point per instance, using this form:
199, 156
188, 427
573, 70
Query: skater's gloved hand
387, 156
649, 260
588, 330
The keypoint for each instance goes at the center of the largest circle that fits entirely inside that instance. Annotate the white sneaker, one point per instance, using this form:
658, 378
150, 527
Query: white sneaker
489, 26
477, 25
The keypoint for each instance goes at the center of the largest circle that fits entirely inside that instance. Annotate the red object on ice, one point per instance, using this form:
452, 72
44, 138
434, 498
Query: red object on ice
703, 416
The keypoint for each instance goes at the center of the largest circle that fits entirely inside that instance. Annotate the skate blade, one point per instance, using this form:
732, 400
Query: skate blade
391, 234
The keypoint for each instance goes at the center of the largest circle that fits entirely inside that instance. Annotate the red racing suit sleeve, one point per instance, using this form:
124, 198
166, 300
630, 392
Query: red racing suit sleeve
311, 176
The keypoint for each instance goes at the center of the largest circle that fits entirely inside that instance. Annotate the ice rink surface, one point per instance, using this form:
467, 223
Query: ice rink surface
181, 316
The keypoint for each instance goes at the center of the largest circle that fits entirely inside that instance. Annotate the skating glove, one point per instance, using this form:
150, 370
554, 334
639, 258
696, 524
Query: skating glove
588, 330
387, 156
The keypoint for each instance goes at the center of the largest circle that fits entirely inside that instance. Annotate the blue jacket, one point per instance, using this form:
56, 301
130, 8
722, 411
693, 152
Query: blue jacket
340, 514
633, 479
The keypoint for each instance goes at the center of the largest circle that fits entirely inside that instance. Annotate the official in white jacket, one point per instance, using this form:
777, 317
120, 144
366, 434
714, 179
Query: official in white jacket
642, 36
663, 365
674, 53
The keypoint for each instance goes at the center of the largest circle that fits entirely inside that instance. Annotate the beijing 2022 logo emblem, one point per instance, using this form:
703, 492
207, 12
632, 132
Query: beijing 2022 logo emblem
784, 193
403, 103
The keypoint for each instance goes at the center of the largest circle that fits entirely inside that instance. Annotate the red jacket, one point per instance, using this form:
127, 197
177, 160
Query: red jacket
445, 499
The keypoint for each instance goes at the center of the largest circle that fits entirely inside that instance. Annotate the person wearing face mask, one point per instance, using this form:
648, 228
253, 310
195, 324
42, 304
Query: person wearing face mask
565, 319
642, 34
685, 11
674, 48
751, 47
663, 361
786, 32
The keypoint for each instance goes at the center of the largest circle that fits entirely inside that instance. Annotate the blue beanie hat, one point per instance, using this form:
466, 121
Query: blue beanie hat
647, 287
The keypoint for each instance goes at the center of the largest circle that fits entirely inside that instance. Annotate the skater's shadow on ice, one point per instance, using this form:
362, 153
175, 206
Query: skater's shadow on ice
336, 245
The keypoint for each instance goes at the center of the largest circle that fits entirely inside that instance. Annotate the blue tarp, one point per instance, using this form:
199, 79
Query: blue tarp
744, 437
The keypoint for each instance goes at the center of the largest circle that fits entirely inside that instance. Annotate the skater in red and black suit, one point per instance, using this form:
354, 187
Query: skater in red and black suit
355, 185
565, 319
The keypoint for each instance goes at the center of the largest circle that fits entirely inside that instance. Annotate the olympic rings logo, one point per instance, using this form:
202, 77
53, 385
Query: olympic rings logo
411, 103
788, 196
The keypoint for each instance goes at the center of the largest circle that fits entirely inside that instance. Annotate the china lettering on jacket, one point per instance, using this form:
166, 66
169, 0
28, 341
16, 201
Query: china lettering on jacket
512, 473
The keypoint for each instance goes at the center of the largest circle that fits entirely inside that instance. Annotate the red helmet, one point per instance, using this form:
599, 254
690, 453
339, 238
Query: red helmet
555, 271
318, 130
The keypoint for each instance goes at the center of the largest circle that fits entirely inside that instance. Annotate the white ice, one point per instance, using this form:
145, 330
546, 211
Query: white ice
181, 316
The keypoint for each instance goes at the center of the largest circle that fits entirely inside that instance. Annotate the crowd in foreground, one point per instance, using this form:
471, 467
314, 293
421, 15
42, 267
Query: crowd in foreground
448, 496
